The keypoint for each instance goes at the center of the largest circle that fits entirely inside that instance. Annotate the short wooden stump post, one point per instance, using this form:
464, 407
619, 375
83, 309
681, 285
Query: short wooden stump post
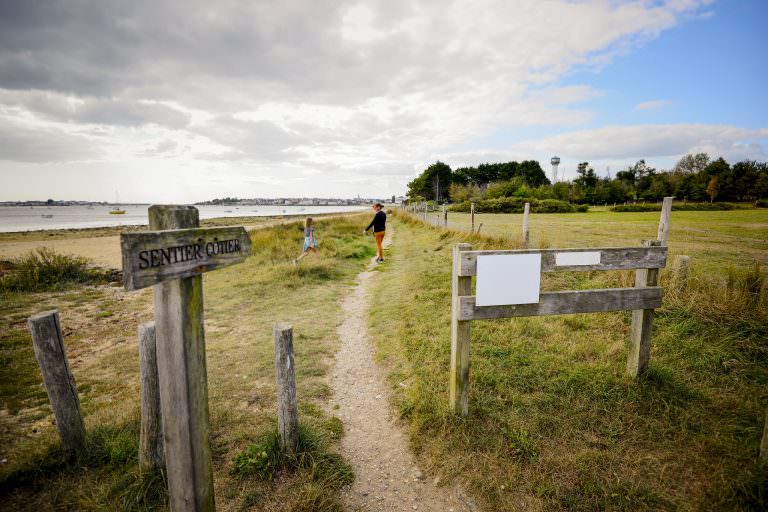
682, 272
48, 344
526, 212
763, 457
285, 376
151, 437
472, 217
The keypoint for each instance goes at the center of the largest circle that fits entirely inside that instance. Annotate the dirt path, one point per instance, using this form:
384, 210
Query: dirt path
386, 475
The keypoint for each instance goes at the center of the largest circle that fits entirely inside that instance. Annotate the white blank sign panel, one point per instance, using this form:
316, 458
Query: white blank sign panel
577, 258
508, 279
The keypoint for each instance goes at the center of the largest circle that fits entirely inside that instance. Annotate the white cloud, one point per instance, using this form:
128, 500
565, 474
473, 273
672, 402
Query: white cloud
652, 105
320, 93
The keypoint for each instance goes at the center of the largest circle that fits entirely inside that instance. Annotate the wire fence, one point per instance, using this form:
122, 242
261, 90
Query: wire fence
438, 216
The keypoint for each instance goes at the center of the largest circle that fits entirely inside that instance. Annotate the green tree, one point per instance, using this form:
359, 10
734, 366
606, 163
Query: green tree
432, 184
692, 164
712, 188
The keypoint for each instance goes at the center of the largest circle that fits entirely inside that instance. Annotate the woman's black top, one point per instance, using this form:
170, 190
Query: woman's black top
379, 222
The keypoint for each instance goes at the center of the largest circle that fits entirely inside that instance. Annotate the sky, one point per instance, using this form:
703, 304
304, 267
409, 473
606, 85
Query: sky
183, 101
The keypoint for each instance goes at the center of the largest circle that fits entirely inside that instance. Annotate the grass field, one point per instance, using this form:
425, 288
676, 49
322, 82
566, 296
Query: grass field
241, 305
554, 423
714, 240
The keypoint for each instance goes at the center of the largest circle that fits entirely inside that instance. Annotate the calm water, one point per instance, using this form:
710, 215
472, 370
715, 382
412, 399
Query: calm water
20, 218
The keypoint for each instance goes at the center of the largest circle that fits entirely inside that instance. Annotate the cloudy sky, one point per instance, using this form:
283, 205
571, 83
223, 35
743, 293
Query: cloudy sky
186, 100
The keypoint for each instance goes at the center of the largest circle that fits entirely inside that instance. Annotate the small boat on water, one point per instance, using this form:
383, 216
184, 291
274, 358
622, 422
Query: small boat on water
116, 210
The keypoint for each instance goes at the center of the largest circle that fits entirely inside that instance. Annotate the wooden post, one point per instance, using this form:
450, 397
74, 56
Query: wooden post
764, 443
479, 228
445, 216
526, 211
287, 406
666, 211
182, 376
151, 438
48, 344
682, 272
472, 217
642, 319
460, 334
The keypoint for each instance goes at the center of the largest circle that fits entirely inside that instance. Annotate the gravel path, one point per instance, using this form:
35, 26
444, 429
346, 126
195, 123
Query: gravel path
386, 475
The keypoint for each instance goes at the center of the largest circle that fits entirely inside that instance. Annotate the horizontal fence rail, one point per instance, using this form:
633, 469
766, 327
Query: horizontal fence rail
561, 260
566, 303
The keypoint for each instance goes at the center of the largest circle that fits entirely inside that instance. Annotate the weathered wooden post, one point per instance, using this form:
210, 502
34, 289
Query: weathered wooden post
171, 258
48, 344
472, 217
479, 228
642, 319
682, 272
526, 211
287, 405
445, 216
151, 437
460, 335
183, 375
764, 443
666, 213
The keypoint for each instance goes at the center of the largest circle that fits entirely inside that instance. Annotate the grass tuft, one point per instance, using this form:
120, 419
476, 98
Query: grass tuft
45, 270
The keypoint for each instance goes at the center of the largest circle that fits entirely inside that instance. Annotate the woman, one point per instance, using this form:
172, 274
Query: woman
378, 224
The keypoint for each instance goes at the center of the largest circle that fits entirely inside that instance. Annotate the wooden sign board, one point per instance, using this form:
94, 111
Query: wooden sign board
150, 257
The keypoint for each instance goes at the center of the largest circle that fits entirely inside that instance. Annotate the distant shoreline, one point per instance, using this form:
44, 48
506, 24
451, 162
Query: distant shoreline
94, 232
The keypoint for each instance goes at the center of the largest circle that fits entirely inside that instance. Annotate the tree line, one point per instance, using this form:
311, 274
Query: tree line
695, 177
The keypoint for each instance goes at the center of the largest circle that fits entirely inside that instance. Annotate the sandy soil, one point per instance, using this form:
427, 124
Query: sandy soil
103, 250
374, 443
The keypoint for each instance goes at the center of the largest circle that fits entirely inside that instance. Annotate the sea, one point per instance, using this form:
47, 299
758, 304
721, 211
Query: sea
31, 218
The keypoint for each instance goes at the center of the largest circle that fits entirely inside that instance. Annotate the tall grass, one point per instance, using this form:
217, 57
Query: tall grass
44, 269
554, 422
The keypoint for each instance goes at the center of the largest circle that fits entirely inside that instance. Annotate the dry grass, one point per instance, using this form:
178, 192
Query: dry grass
241, 305
554, 423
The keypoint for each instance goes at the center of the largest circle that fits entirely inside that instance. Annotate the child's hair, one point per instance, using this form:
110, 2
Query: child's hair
378, 205
308, 222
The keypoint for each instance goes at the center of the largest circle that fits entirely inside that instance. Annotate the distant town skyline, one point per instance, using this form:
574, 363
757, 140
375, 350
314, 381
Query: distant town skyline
336, 99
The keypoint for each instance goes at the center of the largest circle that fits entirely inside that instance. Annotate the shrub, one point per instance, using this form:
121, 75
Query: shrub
45, 269
681, 207
517, 205
761, 203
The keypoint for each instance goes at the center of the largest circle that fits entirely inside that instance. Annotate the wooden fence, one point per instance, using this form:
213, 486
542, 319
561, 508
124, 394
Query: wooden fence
642, 299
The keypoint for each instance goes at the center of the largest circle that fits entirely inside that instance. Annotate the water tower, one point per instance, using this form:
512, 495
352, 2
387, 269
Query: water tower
555, 162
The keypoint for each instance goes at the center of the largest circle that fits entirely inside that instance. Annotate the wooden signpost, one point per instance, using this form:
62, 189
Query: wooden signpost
172, 257
506, 288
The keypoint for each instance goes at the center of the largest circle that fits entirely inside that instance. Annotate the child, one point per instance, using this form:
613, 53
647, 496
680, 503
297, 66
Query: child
309, 240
